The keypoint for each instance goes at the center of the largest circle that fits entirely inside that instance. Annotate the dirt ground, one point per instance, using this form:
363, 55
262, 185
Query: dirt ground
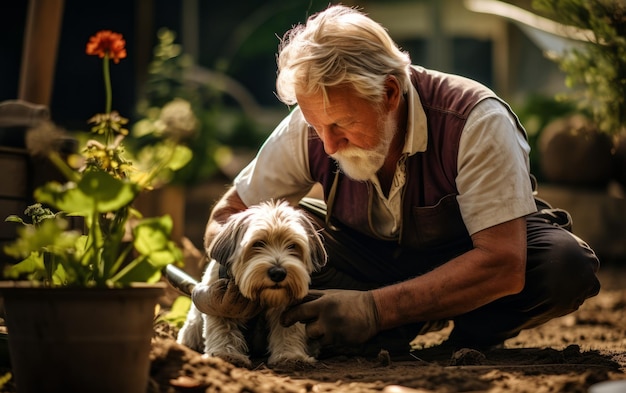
568, 354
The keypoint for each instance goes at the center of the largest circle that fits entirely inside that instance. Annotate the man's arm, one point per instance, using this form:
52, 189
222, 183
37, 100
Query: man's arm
494, 268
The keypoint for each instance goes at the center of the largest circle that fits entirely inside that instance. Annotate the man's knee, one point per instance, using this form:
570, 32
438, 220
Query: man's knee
569, 269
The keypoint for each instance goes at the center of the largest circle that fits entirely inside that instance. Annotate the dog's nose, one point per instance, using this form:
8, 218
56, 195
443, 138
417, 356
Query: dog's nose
277, 273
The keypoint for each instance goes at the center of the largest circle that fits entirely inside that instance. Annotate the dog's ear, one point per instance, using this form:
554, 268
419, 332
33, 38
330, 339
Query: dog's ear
226, 242
316, 244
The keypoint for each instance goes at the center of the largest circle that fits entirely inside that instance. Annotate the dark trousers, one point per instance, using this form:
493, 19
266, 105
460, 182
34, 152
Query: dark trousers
560, 274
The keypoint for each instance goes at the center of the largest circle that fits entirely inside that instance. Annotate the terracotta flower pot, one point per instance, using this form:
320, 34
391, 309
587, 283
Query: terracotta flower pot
80, 339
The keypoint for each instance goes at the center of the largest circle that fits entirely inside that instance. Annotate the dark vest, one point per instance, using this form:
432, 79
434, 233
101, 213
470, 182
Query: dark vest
431, 218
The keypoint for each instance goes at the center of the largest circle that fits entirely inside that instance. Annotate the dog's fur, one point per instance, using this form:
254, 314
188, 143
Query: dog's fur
270, 250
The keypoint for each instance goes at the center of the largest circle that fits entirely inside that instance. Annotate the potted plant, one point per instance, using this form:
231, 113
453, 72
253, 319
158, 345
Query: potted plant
596, 71
80, 304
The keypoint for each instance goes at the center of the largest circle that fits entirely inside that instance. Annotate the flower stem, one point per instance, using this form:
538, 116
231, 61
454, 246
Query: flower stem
108, 91
120, 260
95, 232
126, 269
48, 262
62, 166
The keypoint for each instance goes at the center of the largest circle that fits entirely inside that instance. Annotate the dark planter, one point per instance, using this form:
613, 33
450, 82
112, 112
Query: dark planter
574, 152
80, 339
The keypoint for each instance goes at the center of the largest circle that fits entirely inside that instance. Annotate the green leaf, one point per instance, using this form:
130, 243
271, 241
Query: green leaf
46, 236
142, 128
66, 243
152, 234
32, 264
140, 270
152, 239
162, 258
97, 191
14, 218
82, 246
61, 277
180, 306
178, 312
181, 157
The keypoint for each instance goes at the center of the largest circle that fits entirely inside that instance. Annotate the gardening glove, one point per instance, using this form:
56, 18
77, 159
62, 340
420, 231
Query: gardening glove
222, 298
336, 317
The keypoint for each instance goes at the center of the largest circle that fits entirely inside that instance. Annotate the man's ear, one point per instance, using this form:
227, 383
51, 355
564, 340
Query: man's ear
393, 93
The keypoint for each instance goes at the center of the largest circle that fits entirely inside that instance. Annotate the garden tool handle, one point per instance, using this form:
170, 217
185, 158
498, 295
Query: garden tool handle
179, 279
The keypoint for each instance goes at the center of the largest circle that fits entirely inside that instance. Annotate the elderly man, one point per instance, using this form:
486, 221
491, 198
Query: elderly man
428, 212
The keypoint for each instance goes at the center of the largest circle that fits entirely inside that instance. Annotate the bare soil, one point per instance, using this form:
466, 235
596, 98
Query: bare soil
568, 354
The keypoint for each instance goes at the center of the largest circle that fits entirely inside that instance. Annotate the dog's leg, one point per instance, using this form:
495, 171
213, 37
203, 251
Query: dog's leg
214, 336
287, 345
224, 339
191, 332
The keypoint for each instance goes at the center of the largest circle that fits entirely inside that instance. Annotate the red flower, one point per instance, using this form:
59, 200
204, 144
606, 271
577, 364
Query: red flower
106, 42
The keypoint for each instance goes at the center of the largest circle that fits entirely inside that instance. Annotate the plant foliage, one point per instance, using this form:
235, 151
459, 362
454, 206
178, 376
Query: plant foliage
597, 66
116, 245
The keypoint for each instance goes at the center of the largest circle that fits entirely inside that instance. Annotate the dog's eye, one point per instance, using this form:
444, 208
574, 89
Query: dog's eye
258, 244
291, 246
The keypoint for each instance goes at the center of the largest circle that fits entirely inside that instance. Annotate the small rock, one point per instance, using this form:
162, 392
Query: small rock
467, 357
384, 358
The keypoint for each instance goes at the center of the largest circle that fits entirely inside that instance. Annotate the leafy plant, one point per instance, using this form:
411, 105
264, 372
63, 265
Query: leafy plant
167, 84
117, 246
536, 112
598, 66
177, 314
227, 113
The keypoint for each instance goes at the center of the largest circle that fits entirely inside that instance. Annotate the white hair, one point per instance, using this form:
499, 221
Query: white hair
339, 46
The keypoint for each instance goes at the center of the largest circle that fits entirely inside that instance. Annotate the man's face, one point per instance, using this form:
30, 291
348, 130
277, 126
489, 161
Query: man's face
355, 132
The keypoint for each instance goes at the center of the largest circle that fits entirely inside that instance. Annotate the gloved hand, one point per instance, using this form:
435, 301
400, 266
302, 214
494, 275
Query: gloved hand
222, 298
336, 317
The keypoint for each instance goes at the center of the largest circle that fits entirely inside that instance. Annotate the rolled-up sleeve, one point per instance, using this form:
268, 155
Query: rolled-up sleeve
493, 168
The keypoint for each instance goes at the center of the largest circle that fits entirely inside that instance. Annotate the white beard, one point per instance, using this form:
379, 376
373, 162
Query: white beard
360, 164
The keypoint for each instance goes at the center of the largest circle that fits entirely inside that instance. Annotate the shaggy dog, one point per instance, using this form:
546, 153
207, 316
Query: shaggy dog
269, 250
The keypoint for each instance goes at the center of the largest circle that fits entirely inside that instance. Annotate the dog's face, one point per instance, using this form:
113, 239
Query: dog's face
270, 250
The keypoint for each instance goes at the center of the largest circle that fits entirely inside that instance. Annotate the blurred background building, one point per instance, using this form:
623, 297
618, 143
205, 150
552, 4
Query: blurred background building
240, 39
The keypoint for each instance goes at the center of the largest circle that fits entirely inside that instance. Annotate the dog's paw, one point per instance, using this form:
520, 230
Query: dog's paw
290, 363
236, 359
